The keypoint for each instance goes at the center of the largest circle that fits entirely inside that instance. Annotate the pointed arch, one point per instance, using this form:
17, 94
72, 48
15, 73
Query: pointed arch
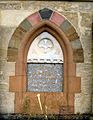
69, 41
35, 19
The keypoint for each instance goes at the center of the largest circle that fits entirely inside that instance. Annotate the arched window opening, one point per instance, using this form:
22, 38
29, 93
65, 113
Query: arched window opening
45, 69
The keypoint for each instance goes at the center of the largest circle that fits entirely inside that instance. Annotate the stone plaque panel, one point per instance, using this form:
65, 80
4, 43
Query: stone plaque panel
45, 77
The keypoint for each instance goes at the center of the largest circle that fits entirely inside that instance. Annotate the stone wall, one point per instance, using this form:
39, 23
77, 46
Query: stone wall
12, 13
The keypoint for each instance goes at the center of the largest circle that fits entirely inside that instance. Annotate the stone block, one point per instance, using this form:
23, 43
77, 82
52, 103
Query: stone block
45, 13
6, 70
34, 18
9, 68
6, 104
4, 86
85, 71
76, 44
65, 25
72, 71
73, 36
3, 54
87, 44
83, 103
57, 18
6, 34
77, 103
17, 83
69, 30
12, 55
78, 55
19, 32
26, 25
74, 85
86, 84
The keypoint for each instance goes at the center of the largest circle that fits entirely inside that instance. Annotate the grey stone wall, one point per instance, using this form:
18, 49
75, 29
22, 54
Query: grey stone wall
79, 14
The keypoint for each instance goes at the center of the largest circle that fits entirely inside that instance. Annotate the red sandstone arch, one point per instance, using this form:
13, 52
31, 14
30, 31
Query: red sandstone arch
65, 100
35, 19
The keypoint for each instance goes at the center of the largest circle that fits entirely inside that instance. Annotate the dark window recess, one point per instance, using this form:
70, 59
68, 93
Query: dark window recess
45, 13
45, 77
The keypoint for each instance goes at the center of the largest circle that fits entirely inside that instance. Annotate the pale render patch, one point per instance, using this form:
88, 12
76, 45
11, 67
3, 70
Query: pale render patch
13, 17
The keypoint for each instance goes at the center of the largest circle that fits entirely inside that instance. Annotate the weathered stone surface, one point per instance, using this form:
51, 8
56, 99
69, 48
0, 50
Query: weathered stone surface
25, 25
5, 34
78, 55
31, 5
76, 44
3, 54
34, 18
12, 54
45, 13
72, 17
86, 7
65, 25
83, 103
6, 104
87, 44
5, 72
86, 19
4, 87
57, 18
10, 5
17, 37
92, 104
59, 6
85, 71
13, 17
67, 6
5, 68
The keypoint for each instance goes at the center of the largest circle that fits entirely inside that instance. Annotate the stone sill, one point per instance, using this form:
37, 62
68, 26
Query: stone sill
46, 117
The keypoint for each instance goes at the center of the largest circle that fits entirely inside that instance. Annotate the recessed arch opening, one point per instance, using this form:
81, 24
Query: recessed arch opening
45, 61
18, 83
27, 41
